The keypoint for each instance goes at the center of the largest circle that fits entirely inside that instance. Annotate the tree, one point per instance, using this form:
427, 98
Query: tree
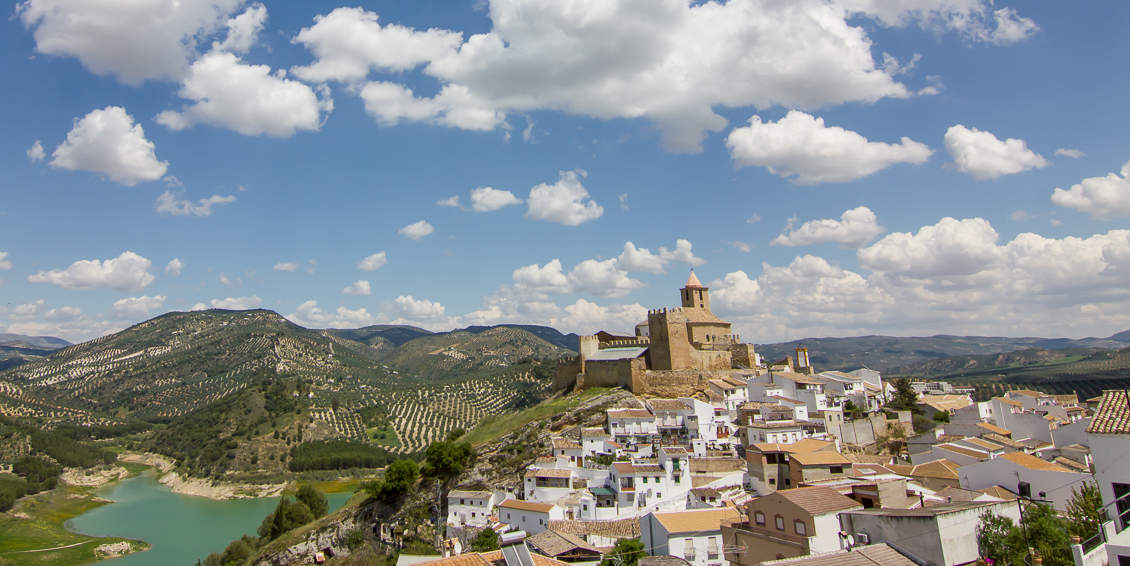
485, 541
287, 515
995, 538
444, 461
942, 416
399, 477
627, 552
852, 411
314, 500
1042, 530
1085, 513
904, 398
1047, 533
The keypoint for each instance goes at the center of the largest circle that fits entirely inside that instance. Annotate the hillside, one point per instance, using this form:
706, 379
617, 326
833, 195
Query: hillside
886, 353
17, 349
251, 385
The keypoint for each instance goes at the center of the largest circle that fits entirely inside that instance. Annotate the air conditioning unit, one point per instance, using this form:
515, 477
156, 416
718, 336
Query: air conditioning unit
862, 538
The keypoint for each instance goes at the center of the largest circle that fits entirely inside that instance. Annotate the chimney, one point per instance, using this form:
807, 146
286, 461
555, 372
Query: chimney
514, 549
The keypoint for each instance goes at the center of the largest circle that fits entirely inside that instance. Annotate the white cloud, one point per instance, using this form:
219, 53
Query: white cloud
308, 314
854, 229
416, 230
247, 99
286, 266
137, 307
127, 272
169, 203
588, 317
1101, 197
228, 281
950, 247
411, 308
1020, 215
134, 41
623, 201
452, 201
231, 303
63, 314
373, 262
5, 263
107, 141
668, 62
982, 155
243, 30
1011, 28
753, 219
36, 153
743, 247
487, 199
602, 278
801, 147
27, 310
1068, 152
174, 267
548, 277
349, 42
641, 259
565, 202
359, 287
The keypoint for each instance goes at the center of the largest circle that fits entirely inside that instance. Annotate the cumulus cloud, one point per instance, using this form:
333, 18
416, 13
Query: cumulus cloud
487, 199
411, 308
1068, 152
982, 155
349, 42
743, 247
170, 203
451, 201
359, 287
416, 230
565, 202
642, 259
588, 317
602, 278
133, 41
243, 30
27, 310
137, 307
801, 147
373, 262
36, 153
1101, 197
107, 141
854, 229
174, 267
127, 272
950, 247
248, 99
671, 63
288, 266
310, 315
230, 303
1010, 28
5, 263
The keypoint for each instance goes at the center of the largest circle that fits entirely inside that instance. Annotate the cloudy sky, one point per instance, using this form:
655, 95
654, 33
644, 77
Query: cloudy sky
828, 167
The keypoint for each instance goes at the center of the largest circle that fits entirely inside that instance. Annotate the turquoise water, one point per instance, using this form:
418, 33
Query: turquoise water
179, 528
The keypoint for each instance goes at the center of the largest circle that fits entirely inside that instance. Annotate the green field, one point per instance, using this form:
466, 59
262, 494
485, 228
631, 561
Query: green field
494, 427
383, 436
36, 523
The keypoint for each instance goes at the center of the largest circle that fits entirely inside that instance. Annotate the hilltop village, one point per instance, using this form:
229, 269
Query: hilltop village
720, 456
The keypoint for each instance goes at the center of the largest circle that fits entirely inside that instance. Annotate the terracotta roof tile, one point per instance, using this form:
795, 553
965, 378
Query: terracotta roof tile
868, 555
622, 528
703, 520
1113, 414
995, 429
526, 505
817, 500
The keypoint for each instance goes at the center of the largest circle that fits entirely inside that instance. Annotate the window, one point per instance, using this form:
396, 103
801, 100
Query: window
759, 519
677, 480
836, 469
772, 481
798, 526
788, 481
770, 458
1121, 491
460, 501
780, 521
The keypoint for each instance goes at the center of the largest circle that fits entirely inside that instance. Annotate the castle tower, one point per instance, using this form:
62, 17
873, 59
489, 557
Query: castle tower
694, 294
802, 363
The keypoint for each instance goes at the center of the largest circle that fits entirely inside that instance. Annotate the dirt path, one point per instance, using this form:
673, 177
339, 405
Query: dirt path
55, 548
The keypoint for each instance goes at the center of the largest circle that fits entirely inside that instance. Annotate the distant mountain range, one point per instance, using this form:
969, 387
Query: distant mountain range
16, 349
885, 353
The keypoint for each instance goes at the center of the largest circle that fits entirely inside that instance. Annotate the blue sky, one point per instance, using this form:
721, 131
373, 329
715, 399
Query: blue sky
828, 167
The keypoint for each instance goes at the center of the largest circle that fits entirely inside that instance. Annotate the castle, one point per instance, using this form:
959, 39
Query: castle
687, 344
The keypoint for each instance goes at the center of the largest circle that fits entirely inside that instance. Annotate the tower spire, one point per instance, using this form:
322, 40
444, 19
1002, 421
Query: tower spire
692, 281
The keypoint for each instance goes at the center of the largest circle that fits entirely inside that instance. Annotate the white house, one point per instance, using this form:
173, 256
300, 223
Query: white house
567, 452
1025, 474
547, 484
529, 516
807, 388
732, 391
631, 425
1109, 438
470, 508
694, 536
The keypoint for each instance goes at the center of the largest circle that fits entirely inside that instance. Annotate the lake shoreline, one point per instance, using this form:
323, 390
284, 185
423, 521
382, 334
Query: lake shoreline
200, 487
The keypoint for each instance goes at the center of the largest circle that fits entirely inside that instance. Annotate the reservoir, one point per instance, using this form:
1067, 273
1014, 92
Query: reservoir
180, 529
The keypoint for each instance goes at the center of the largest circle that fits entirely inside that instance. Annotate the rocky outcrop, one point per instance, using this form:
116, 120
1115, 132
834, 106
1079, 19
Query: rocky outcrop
329, 536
